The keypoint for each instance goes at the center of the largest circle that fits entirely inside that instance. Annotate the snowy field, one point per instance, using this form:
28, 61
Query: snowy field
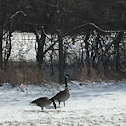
90, 104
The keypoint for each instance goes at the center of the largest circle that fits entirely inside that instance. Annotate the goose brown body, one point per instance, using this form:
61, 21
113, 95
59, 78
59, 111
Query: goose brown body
43, 101
62, 95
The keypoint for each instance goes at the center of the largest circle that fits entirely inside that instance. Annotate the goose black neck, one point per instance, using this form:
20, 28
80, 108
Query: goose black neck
54, 104
66, 81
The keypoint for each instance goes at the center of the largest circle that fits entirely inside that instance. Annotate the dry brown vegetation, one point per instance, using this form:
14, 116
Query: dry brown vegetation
27, 72
99, 75
21, 72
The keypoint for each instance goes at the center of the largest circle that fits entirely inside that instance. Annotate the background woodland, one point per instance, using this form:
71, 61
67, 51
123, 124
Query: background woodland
98, 26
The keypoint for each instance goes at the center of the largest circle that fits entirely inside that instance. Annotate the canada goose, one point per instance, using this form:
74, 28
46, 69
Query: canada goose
62, 96
43, 101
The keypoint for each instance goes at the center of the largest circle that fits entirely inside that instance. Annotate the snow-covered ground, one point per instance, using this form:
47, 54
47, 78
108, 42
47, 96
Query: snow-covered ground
90, 104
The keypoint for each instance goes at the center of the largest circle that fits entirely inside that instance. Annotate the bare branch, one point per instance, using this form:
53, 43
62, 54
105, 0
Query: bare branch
18, 13
50, 47
100, 29
46, 3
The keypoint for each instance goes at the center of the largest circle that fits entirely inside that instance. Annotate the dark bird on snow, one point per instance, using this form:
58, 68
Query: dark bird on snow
64, 95
43, 101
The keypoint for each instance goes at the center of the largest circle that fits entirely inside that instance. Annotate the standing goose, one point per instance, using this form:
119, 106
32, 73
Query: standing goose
62, 96
43, 101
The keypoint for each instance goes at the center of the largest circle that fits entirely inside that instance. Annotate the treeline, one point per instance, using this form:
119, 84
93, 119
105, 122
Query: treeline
101, 23
107, 14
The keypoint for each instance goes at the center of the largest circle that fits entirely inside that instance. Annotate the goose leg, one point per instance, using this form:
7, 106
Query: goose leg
64, 104
42, 109
59, 103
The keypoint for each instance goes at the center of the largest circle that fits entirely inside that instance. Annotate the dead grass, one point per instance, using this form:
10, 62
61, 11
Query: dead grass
99, 74
28, 73
21, 72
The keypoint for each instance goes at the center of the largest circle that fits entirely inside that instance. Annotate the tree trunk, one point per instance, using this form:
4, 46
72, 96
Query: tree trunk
59, 30
40, 53
82, 55
61, 60
8, 46
1, 58
116, 51
87, 55
51, 57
